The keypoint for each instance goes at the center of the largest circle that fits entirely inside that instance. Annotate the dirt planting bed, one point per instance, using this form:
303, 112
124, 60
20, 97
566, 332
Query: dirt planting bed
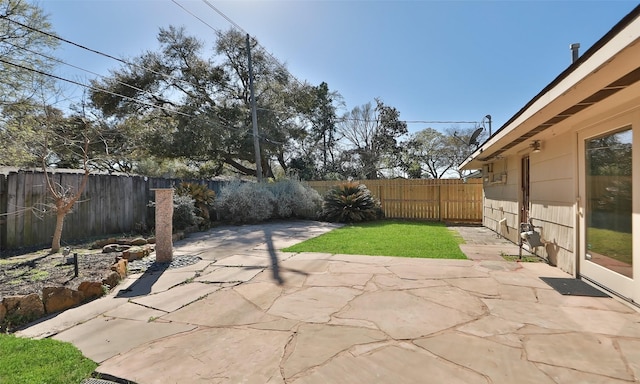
29, 273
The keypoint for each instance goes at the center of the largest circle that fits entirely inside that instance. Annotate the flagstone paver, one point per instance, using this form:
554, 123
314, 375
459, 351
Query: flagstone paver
568, 375
583, 352
221, 308
501, 363
261, 294
251, 313
132, 311
382, 366
228, 274
339, 280
403, 315
630, 350
178, 297
208, 355
305, 352
118, 335
313, 304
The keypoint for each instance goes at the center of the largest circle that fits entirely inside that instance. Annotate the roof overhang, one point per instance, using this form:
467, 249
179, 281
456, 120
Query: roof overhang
607, 68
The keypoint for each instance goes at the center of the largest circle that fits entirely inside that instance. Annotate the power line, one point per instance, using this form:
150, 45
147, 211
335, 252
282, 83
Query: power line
93, 50
256, 40
80, 68
197, 17
439, 122
237, 26
228, 124
224, 16
93, 88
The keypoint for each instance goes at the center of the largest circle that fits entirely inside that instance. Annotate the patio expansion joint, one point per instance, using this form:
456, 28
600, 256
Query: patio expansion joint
147, 307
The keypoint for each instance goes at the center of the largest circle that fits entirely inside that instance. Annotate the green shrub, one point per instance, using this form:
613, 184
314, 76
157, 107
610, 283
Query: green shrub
203, 197
241, 203
295, 199
350, 203
184, 212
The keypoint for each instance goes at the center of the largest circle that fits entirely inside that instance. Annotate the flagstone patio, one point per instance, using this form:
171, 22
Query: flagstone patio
249, 313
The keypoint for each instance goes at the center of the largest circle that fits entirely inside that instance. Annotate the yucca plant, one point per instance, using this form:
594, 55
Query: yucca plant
202, 196
350, 203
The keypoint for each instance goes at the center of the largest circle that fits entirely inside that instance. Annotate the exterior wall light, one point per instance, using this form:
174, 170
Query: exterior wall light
536, 146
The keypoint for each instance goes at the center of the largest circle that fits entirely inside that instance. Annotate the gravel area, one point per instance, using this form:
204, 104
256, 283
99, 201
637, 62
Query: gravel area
149, 263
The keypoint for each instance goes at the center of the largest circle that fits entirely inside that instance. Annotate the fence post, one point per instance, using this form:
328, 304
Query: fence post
3, 211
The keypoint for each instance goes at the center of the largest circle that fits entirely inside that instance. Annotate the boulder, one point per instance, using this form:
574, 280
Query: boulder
91, 289
58, 299
11, 303
112, 280
120, 267
110, 248
103, 242
28, 307
138, 241
3, 312
136, 253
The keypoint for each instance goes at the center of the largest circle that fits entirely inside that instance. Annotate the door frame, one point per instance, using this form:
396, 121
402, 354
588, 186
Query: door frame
525, 189
620, 285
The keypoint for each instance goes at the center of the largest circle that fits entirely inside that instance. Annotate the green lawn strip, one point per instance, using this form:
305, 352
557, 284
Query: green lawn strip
27, 361
613, 244
388, 238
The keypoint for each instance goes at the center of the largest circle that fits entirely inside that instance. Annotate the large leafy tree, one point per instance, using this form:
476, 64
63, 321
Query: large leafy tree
317, 155
372, 137
24, 51
197, 108
24, 62
432, 154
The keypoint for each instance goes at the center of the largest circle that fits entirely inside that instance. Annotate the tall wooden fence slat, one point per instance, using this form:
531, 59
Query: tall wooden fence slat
428, 199
110, 204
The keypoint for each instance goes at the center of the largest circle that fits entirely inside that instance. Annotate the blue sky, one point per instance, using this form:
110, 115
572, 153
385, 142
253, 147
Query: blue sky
432, 60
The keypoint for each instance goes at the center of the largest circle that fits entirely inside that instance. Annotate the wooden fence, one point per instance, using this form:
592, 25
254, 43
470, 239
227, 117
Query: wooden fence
114, 204
440, 199
110, 204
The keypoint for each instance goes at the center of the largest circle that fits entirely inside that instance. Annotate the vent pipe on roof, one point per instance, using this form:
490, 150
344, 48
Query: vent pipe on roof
574, 51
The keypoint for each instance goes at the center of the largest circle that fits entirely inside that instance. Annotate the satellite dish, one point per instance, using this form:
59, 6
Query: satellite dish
474, 137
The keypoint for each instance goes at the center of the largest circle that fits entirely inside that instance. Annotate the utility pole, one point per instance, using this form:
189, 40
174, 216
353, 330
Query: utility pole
254, 116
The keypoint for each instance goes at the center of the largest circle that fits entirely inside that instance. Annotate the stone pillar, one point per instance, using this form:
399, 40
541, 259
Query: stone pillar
164, 227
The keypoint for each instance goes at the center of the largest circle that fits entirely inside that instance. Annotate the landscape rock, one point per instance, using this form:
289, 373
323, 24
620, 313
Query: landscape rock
137, 253
29, 306
58, 299
120, 267
138, 241
112, 280
91, 289
110, 248
11, 303
101, 243
3, 312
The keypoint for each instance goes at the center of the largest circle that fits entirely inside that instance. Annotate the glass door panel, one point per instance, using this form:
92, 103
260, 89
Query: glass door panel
608, 188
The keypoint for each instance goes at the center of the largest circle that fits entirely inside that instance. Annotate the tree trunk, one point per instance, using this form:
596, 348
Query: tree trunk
57, 234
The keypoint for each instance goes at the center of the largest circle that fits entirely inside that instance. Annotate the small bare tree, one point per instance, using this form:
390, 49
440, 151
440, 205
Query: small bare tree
64, 197
65, 141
